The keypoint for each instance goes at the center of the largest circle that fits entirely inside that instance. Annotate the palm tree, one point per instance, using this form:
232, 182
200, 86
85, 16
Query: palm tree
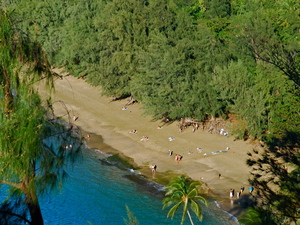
182, 191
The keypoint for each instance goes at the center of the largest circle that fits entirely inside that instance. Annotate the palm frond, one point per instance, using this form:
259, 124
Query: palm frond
202, 199
185, 208
173, 210
196, 209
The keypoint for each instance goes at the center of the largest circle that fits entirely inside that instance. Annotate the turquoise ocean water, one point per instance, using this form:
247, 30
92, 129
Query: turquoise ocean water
97, 192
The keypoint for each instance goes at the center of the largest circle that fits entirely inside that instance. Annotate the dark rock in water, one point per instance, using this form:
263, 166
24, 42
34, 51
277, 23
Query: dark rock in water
119, 162
105, 163
140, 179
152, 187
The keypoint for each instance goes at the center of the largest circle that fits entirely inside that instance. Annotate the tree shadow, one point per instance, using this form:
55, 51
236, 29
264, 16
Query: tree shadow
275, 175
240, 205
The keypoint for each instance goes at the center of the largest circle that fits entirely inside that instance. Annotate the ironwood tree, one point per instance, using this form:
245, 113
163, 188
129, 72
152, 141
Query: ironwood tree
32, 156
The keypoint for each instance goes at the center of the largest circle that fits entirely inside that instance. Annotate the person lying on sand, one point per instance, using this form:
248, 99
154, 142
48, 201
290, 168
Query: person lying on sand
144, 138
132, 132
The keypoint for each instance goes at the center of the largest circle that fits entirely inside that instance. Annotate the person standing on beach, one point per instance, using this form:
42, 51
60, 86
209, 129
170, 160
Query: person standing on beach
242, 189
153, 168
251, 189
177, 158
231, 193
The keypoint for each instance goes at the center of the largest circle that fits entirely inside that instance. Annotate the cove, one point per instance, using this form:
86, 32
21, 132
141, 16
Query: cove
96, 192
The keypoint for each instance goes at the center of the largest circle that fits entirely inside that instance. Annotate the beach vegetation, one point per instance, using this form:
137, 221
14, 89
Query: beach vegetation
182, 194
34, 147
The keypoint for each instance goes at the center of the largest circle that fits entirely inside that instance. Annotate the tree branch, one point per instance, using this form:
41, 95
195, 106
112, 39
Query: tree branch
13, 184
16, 215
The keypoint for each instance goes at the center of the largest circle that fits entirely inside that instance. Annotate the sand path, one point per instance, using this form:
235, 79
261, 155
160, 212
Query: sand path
100, 116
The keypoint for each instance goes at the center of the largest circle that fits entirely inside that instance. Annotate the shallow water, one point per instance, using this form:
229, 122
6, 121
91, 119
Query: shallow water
97, 192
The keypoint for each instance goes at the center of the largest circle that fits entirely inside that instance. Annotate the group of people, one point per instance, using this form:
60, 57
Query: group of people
144, 138
238, 194
178, 158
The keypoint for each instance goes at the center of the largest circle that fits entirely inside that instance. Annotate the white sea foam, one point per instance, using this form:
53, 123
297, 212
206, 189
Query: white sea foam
232, 217
217, 204
102, 153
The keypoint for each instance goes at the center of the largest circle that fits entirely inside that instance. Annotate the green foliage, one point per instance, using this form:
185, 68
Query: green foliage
123, 34
195, 8
175, 68
43, 21
265, 37
256, 216
80, 45
179, 58
217, 8
233, 83
183, 193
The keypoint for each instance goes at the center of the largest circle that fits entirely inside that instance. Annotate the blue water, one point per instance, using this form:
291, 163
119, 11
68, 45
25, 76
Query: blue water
96, 193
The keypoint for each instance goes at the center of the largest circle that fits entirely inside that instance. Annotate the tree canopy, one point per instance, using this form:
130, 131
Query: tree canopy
178, 57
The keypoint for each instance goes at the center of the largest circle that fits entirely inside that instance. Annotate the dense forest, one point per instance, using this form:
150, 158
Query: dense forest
200, 59
180, 58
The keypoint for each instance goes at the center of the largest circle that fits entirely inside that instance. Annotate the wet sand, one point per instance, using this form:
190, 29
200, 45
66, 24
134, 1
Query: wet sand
106, 122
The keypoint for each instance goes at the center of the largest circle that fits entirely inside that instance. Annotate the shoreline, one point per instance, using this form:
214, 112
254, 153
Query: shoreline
233, 208
152, 186
102, 118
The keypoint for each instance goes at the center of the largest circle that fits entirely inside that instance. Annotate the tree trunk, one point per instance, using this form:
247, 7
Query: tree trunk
188, 212
34, 209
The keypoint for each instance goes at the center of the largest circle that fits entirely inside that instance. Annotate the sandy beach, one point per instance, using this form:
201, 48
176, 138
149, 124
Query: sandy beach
109, 124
